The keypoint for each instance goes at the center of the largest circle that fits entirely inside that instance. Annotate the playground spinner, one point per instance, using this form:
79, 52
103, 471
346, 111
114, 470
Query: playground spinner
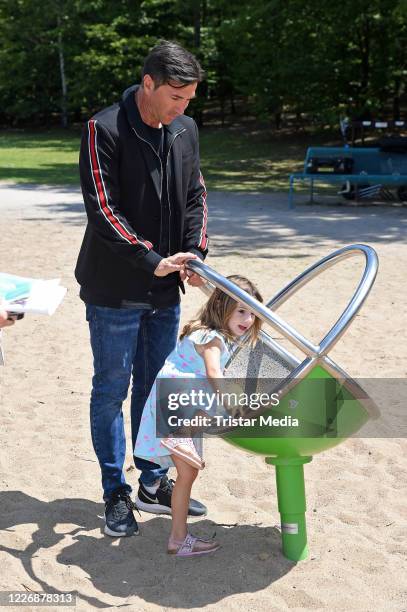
328, 404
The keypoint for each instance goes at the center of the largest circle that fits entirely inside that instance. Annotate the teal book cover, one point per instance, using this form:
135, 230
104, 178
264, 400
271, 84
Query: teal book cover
14, 287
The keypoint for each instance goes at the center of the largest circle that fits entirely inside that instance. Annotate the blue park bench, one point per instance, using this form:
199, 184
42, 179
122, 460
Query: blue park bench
359, 166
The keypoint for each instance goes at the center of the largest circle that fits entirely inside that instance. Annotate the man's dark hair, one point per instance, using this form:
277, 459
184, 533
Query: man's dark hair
168, 61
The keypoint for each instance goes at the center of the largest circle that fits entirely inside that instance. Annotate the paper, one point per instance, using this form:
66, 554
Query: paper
30, 295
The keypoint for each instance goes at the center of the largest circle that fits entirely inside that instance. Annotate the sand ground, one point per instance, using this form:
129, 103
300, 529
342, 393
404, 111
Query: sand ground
50, 496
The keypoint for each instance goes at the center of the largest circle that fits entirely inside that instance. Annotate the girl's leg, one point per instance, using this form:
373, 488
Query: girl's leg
182, 543
181, 494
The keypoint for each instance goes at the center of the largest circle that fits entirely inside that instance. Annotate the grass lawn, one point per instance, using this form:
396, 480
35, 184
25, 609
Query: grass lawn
233, 158
48, 157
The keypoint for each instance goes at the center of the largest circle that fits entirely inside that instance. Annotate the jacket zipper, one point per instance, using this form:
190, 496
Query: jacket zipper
159, 159
161, 178
161, 183
168, 190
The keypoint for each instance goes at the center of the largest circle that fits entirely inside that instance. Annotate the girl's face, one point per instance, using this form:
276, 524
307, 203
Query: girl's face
241, 320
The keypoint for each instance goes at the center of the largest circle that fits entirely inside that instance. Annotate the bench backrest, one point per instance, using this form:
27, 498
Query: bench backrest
364, 160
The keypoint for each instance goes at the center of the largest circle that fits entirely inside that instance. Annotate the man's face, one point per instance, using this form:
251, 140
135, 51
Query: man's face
168, 101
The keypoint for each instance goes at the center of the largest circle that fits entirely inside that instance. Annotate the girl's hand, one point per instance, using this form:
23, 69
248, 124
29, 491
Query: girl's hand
194, 279
237, 411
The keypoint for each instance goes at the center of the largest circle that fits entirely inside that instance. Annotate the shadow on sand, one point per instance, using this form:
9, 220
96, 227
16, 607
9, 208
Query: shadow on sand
139, 566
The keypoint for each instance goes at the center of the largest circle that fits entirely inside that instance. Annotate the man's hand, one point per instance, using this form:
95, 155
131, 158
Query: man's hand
174, 263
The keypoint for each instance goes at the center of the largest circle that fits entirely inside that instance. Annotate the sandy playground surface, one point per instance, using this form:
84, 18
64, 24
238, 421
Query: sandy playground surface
50, 496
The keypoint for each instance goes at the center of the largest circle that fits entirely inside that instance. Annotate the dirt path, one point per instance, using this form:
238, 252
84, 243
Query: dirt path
50, 525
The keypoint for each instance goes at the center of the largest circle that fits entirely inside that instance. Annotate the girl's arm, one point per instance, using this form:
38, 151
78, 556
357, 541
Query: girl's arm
211, 354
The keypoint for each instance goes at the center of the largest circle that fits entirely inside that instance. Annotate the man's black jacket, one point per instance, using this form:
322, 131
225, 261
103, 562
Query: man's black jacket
121, 178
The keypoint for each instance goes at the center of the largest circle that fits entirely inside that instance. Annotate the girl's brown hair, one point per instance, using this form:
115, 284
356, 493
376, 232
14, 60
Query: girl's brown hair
216, 313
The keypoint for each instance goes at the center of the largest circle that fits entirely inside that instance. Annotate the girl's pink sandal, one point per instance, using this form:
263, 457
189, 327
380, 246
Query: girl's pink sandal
194, 547
184, 448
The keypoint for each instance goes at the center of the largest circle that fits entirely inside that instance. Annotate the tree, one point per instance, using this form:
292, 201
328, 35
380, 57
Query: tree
69, 58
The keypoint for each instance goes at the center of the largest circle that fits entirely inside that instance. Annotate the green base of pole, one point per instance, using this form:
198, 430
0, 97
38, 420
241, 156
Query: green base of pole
291, 505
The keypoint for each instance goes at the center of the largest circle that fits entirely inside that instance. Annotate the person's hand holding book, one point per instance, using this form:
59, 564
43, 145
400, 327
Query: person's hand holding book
5, 319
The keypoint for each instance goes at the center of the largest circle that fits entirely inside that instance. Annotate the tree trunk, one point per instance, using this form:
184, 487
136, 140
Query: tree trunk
197, 24
64, 105
363, 35
232, 104
396, 100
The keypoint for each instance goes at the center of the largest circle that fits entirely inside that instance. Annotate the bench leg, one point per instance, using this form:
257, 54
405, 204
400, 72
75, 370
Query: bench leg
311, 199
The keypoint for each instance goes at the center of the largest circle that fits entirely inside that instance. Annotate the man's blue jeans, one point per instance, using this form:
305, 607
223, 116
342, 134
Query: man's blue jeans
126, 342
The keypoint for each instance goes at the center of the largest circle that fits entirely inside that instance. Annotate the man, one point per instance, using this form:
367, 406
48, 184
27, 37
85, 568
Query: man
146, 204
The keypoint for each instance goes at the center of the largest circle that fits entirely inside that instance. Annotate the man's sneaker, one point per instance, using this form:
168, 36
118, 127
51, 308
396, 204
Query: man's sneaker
160, 502
119, 516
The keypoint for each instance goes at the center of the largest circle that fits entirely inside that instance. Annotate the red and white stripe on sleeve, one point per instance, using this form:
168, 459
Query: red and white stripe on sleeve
102, 197
203, 240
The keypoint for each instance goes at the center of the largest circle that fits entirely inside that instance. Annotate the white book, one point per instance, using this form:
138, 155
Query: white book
23, 295
30, 295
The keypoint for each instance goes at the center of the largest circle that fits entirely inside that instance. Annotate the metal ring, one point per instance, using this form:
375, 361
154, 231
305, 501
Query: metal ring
357, 300
259, 309
268, 315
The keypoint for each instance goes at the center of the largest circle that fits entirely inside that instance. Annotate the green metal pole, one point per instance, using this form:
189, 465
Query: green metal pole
291, 505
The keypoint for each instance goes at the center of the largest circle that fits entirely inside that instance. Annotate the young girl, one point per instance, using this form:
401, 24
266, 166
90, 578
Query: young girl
201, 352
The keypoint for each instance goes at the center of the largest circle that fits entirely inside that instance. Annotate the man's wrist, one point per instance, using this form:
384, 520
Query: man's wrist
150, 261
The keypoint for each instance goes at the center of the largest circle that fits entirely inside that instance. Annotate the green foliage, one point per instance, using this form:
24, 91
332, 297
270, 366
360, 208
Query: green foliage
320, 59
316, 58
